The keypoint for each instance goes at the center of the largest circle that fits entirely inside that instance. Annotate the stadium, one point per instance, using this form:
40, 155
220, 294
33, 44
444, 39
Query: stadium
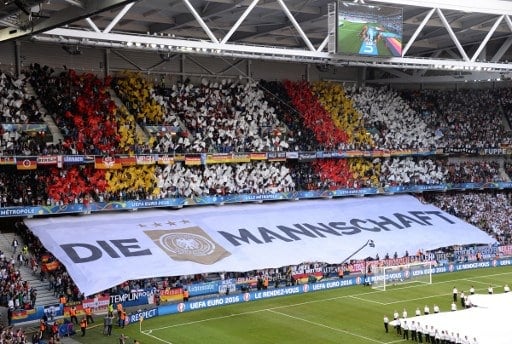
260, 171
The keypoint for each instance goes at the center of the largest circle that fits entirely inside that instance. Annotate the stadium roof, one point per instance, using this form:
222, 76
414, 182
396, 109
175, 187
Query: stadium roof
468, 36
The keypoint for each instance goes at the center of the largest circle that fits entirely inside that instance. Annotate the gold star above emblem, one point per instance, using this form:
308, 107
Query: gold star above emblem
141, 225
185, 221
157, 224
171, 223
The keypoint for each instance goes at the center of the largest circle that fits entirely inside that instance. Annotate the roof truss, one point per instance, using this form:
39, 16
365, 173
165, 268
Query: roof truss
284, 30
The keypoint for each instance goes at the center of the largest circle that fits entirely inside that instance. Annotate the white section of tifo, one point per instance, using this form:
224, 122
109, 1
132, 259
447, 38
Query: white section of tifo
488, 320
102, 250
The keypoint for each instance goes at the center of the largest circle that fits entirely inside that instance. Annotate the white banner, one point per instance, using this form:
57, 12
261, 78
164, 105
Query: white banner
103, 250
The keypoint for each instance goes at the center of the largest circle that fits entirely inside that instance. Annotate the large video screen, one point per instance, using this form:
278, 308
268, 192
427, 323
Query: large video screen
368, 30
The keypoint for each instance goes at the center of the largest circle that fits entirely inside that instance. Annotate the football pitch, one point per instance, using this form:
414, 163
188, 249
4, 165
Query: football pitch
344, 315
349, 40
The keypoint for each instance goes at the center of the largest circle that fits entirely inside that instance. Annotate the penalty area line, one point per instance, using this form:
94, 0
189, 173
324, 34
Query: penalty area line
148, 333
367, 300
480, 282
328, 299
326, 326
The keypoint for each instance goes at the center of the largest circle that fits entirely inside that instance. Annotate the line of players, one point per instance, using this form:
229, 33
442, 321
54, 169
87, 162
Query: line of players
413, 330
464, 300
418, 333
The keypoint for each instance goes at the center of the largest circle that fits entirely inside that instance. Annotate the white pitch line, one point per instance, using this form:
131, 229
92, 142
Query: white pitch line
415, 299
155, 337
367, 300
479, 282
209, 319
310, 302
375, 292
328, 327
428, 297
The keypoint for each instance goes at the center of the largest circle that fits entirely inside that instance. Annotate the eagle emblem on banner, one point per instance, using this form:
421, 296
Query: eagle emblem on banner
190, 243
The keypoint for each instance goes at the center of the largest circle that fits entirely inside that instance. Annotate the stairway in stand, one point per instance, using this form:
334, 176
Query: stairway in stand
46, 118
139, 131
44, 296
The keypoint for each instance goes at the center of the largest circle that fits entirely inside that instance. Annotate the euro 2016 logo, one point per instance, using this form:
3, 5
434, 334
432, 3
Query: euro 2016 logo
188, 244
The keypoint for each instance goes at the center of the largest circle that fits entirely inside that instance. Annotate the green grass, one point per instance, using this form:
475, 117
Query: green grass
347, 315
348, 38
349, 42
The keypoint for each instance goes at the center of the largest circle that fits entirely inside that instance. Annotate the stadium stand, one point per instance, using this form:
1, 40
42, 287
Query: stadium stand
178, 132
93, 139
233, 117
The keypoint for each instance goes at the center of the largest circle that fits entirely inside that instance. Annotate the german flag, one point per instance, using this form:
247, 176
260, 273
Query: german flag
258, 156
192, 160
128, 160
26, 163
107, 163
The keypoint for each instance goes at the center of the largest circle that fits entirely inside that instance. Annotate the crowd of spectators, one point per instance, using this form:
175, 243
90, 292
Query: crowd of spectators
315, 116
412, 171
228, 116
390, 120
467, 118
57, 276
490, 211
79, 107
233, 116
223, 179
21, 189
85, 184
9, 334
299, 136
15, 292
507, 167
474, 171
17, 106
504, 98
18, 109
225, 116
83, 110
